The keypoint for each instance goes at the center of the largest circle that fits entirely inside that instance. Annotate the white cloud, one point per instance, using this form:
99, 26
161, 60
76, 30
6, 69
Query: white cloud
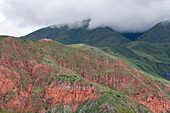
122, 15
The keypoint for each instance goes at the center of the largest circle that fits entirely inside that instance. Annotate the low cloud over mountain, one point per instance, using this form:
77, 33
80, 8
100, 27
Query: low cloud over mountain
22, 16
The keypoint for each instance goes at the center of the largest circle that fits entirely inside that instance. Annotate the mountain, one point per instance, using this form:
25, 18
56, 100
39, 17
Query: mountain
101, 36
160, 33
47, 76
144, 54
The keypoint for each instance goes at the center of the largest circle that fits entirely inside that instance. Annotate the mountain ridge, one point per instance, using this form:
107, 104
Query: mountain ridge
101, 36
159, 33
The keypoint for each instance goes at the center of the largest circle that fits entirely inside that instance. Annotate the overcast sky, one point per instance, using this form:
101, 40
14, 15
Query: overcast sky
20, 17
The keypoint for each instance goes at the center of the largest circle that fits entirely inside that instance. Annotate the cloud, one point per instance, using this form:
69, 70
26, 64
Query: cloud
121, 15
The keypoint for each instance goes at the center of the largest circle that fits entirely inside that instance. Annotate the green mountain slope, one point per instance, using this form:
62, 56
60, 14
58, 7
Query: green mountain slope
160, 33
152, 58
97, 37
46, 76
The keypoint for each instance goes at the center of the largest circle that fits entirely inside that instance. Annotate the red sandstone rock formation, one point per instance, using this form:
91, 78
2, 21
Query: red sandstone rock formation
71, 94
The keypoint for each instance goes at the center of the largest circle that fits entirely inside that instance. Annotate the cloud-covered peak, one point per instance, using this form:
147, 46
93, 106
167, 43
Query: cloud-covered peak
165, 23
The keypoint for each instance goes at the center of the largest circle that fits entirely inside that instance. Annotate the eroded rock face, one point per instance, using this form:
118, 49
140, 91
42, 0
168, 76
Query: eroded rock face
71, 94
6, 84
16, 96
122, 80
156, 104
8, 89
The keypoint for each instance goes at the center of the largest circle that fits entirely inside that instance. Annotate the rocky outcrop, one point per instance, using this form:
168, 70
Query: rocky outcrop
70, 94
157, 104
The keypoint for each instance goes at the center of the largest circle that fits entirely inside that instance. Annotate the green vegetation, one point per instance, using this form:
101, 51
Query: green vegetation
151, 58
71, 78
1, 53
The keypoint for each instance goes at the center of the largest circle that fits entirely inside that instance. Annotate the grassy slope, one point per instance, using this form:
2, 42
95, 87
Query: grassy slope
89, 48
152, 58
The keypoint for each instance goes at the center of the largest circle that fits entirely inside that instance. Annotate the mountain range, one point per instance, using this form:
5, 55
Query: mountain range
77, 69
149, 51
